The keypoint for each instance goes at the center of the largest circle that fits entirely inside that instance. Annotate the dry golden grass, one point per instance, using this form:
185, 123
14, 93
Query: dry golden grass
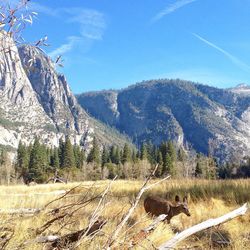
207, 199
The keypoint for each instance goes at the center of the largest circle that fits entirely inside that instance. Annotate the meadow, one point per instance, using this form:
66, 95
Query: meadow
207, 199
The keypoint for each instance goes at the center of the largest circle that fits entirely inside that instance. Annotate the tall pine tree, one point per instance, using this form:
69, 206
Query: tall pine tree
38, 162
144, 151
94, 155
22, 163
126, 157
55, 162
105, 156
68, 156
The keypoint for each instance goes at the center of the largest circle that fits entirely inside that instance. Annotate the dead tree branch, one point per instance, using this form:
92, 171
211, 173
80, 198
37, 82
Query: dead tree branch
62, 242
98, 211
144, 187
21, 211
76, 238
201, 226
63, 196
144, 233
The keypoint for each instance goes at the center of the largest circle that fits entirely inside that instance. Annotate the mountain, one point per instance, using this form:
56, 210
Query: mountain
36, 101
209, 119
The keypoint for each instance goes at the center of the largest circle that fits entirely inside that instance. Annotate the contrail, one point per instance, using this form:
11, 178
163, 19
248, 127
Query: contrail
232, 58
171, 8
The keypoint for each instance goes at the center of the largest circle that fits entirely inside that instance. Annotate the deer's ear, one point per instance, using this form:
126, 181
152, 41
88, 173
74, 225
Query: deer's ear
177, 198
185, 199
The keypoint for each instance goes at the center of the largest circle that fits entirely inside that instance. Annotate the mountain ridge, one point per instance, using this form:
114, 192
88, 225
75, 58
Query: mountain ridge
179, 110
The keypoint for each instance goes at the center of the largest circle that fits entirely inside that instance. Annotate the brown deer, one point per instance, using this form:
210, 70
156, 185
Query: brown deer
157, 206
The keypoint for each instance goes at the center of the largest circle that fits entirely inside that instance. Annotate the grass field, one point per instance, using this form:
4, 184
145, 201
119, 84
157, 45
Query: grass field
207, 199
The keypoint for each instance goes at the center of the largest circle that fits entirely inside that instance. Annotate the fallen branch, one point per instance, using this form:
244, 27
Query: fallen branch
143, 234
56, 192
63, 196
204, 225
98, 211
144, 187
21, 211
57, 179
66, 212
60, 242
75, 239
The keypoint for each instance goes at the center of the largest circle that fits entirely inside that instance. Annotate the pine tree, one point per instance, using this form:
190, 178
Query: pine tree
150, 152
77, 155
112, 154
160, 162
22, 163
144, 152
160, 158
163, 149
68, 156
170, 159
126, 157
82, 157
198, 170
171, 151
134, 156
38, 161
170, 169
94, 155
105, 156
61, 151
155, 155
117, 156
211, 172
181, 155
55, 159
49, 154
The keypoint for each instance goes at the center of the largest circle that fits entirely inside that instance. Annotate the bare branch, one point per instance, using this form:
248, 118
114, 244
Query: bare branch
119, 227
201, 226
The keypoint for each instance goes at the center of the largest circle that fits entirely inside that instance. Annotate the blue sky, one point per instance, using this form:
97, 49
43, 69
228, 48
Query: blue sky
111, 44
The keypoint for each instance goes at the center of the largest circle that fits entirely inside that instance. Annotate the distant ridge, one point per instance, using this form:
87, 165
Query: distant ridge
207, 118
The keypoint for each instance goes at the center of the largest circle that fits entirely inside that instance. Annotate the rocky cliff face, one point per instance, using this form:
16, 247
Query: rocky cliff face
36, 101
54, 95
209, 119
22, 116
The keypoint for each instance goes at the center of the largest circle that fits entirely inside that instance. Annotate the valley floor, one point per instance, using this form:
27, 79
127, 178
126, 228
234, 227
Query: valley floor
207, 199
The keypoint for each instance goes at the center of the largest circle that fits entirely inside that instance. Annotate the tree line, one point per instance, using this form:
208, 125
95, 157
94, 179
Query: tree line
38, 162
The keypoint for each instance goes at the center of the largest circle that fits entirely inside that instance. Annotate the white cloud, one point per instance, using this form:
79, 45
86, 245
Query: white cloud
64, 48
91, 23
232, 58
43, 9
172, 8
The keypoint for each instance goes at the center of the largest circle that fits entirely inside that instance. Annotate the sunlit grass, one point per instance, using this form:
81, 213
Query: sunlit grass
207, 199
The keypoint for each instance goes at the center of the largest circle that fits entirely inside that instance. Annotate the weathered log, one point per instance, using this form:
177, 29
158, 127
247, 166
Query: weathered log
58, 242
56, 192
21, 211
170, 244
57, 179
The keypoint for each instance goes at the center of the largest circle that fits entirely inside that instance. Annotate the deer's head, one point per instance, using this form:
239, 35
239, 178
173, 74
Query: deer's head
182, 206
